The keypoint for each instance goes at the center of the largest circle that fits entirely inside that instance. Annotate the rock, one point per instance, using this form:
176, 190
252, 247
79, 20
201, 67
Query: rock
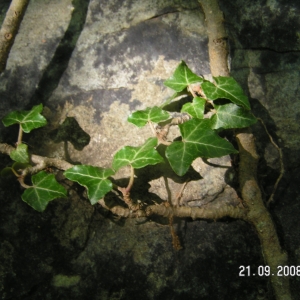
97, 62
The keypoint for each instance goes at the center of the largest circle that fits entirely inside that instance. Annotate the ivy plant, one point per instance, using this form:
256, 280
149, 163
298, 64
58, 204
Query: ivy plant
213, 107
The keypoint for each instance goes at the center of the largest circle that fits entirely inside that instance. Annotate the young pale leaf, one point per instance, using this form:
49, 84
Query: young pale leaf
28, 120
45, 188
232, 116
198, 140
137, 157
20, 154
181, 78
228, 88
154, 114
196, 108
94, 179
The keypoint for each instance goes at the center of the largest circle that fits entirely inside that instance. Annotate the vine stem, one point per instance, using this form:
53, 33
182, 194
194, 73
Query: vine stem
22, 183
280, 159
20, 135
131, 180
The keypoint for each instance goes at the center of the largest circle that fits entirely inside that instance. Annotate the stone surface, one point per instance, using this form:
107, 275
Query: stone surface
97, 62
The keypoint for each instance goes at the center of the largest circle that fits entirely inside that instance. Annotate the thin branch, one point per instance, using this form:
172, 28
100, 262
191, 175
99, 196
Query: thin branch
131, 180
180, 193
20, 135
271, 198
22, 183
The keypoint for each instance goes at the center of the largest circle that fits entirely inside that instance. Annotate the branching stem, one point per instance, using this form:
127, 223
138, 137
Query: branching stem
280, 159
15, 172
22, 183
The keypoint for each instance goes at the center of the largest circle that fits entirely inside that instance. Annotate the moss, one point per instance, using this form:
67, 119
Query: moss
65, 281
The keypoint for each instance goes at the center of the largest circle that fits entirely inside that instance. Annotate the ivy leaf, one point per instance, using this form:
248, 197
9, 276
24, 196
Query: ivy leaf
17, 166
45, 188
20, 154
198, 140
94, 179
181, 78
28, 120
228, 88
231, 116
20, 166
137, 157
7, 171
196, 108
154, 114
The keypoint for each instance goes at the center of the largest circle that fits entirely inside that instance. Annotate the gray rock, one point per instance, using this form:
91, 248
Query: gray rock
97, 62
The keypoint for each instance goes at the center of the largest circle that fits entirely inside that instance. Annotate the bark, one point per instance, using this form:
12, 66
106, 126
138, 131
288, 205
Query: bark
217, 38
257, 215
179, 212
10, 29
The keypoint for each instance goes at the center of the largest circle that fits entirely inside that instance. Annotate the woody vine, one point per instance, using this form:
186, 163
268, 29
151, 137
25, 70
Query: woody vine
215, 105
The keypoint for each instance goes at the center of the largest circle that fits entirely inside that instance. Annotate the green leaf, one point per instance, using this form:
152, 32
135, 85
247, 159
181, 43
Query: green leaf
154, 114
198, 140
28, 120
94, 179
137, 157
17, 166
181, 78
232, 116
228, 88
20, 166
20, 154
7, 171
196, 108
45, 188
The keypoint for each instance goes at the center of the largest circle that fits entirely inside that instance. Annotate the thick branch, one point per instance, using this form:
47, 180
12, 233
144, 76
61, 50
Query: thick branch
196, 212
10, 29
258, 214
180, 212
217, 38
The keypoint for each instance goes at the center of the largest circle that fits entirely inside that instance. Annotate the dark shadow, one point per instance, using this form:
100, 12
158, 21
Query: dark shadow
70, 131
214, 165
62, 55
176, 105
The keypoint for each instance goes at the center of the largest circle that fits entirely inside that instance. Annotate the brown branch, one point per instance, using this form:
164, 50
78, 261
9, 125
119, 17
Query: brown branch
10, 29
196, 212
258, 214
181, 212
40, 162
217, 38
